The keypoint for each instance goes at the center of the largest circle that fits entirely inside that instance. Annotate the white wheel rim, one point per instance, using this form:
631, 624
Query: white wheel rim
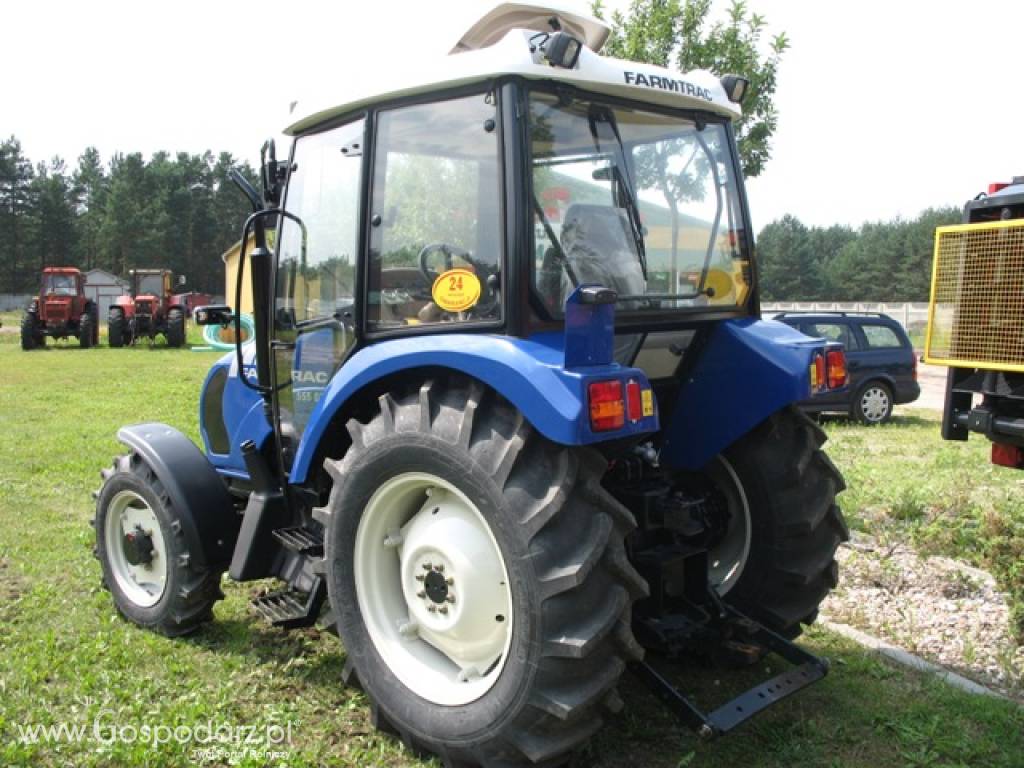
433, 589
728, 557
128, 514
874, 404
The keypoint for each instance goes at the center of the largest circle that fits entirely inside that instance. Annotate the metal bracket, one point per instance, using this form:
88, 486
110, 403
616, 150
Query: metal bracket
809, 669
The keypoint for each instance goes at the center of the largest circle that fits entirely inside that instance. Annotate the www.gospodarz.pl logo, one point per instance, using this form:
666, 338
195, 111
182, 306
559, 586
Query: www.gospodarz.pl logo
206, 741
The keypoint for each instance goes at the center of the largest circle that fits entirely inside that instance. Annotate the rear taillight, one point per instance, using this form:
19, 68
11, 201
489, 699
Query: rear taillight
818, 372
634, 402
607, 407
1007, 455
835, 360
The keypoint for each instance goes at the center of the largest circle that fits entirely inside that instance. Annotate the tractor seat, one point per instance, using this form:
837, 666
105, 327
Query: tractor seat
598, 244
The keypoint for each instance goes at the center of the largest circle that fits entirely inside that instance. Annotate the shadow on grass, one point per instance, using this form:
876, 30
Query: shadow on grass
898, 419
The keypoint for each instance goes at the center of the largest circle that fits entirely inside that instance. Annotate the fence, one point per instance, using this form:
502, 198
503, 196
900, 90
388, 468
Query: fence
912, 315
11, 302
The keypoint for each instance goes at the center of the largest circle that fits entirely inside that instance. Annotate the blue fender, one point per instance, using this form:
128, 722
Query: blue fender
530, 373
748, 370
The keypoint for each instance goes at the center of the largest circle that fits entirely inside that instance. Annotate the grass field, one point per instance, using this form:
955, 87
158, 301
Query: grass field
66, 658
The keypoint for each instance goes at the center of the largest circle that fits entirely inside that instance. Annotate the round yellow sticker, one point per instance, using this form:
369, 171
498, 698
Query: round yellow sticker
456, 290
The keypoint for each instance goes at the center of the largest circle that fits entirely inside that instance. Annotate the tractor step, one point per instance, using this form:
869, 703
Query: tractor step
302, 540
291, 609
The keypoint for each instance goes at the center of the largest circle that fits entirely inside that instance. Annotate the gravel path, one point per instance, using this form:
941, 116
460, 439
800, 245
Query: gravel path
943, 610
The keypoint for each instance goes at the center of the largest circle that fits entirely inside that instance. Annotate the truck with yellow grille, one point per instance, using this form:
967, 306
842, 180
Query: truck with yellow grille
976, 321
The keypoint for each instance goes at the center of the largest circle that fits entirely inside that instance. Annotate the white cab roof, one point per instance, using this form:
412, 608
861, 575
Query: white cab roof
497, 46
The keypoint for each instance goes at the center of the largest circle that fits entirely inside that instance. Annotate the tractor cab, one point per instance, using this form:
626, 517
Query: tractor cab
510, 418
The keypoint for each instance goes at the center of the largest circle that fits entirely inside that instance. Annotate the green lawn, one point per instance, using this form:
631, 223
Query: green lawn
65, 656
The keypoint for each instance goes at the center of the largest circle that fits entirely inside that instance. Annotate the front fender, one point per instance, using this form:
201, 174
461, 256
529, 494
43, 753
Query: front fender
748, 370
529, 373
198, 496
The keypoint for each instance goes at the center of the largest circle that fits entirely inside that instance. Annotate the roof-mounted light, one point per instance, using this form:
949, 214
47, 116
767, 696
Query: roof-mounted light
735, 87
562, 50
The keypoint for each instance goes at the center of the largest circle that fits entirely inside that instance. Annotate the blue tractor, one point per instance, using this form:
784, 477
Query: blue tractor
510, 418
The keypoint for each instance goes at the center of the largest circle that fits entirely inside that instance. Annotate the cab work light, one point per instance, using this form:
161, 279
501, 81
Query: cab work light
835, 362
607, 406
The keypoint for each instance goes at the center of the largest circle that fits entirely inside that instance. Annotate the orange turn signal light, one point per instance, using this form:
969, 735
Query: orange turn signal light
607, 405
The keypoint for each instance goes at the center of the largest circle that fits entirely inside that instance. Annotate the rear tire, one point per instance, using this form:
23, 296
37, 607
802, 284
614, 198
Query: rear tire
171, 594
29, 331
85, 329
791, 487
115, 328
561, 539
175, 328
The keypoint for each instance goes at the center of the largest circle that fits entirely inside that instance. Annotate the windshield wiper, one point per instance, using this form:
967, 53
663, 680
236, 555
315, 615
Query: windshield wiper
625, 183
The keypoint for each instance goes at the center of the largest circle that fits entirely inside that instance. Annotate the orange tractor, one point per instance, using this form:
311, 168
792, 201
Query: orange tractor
150, 309
60, 310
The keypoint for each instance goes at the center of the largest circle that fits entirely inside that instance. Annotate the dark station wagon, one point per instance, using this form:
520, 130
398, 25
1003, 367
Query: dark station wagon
881, 363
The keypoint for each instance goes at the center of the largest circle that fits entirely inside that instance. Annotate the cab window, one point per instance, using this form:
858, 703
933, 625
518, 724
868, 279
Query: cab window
435, 223
833, 332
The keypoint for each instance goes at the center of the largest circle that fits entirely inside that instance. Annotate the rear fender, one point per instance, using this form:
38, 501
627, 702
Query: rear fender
748, 370
530, 373
199, 498
126, 304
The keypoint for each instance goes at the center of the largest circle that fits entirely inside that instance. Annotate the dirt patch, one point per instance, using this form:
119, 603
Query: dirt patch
941, 609
12, 587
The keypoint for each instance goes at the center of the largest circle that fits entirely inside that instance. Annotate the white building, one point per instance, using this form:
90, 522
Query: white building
103, 287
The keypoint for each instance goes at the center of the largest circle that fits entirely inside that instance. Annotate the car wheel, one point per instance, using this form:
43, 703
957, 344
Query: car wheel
873, 403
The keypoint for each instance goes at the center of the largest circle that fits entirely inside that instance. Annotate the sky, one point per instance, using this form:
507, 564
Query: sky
885, 108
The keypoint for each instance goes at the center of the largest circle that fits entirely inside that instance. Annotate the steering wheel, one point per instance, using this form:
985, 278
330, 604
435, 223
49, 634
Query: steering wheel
448, 250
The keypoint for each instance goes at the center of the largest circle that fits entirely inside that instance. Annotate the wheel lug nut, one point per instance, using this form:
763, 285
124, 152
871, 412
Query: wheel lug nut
450, 598
420, 577
432, 608
421, 594
450, 581
443, 609
428, 566
439, 568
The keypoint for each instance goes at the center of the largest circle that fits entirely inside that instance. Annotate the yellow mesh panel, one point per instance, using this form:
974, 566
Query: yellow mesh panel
976, 314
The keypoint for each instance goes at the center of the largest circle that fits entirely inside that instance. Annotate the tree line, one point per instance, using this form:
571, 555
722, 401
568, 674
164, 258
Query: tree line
177, 212
878, 261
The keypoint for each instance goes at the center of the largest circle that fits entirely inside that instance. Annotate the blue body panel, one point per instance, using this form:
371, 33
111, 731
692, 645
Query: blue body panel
243, 413
748, 370
527, 372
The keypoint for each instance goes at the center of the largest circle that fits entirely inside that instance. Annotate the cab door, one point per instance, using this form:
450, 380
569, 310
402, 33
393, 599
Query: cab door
314, 296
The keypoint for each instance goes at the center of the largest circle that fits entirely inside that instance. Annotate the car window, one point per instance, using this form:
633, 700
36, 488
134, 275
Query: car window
833, 332
881, 336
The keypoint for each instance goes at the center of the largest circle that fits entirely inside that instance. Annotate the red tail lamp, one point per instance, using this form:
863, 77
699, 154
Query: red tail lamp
836, 363
634, 403
607, 406
818, 372
1006, 455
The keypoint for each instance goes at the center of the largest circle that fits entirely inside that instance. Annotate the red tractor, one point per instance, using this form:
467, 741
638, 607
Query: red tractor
60, 310
149, 310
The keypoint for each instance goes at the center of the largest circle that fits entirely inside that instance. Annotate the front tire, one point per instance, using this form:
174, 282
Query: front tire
153, 578
115, 328
85, 330
553, 534
790, 487
175, 328
29, 331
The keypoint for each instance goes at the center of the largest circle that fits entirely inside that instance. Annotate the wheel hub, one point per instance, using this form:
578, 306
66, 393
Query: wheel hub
436, 586
138, 546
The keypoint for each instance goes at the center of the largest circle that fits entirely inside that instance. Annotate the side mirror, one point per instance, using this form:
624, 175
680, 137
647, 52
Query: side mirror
272, 173
181, 280
215, 314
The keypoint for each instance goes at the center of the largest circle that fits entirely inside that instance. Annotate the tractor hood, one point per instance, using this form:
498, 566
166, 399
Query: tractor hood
514, 54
